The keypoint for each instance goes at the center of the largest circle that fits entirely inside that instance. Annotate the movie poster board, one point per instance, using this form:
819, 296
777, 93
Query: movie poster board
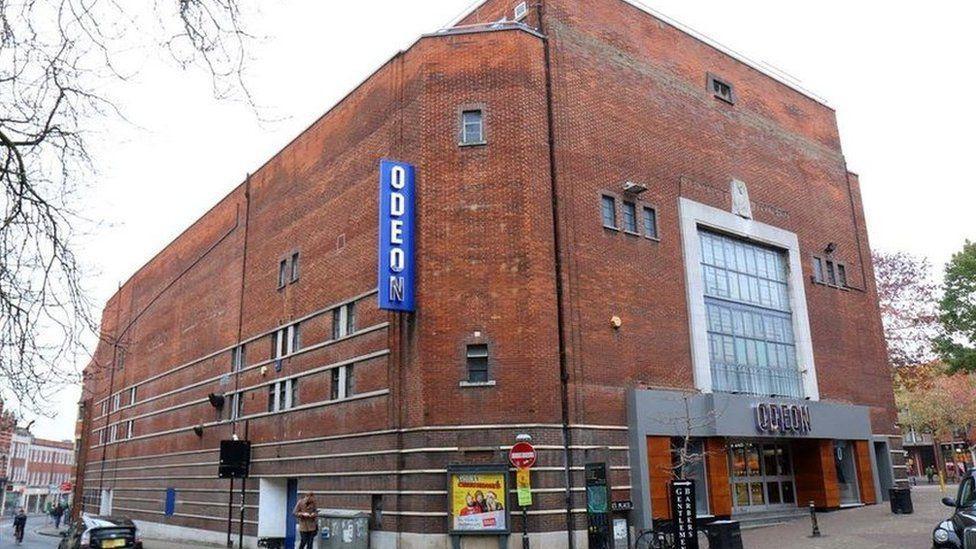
477, 498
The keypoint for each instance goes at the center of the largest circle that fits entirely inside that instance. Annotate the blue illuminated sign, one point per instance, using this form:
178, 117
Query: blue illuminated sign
396, 261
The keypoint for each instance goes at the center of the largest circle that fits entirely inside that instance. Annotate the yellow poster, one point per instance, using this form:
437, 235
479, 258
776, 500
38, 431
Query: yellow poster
523, 487
478, 501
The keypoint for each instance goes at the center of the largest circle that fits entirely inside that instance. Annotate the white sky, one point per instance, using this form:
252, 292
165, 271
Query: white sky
899, 76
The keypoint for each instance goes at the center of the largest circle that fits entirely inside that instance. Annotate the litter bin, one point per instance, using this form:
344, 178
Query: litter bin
340, 529
724, 534
901, 501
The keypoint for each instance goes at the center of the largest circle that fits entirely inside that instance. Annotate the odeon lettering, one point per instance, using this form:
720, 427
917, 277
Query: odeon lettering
396, 238
776, 418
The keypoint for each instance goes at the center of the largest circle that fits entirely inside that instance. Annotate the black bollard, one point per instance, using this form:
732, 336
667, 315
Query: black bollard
813, 520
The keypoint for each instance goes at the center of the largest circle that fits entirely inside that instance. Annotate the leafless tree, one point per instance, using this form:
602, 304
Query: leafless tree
908, 299
59, 61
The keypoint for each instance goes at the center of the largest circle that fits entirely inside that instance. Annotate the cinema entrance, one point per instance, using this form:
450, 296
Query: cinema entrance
761, 476
757, 456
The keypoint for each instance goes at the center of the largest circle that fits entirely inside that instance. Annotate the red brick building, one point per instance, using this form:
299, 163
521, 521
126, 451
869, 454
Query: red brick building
39, 472
624, 234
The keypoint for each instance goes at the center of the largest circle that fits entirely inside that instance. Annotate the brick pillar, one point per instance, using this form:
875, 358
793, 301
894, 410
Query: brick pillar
659, 474
717, 473
816, 474
865, 476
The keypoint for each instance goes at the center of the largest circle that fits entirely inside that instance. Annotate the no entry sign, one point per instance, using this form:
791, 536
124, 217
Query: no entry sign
522, 455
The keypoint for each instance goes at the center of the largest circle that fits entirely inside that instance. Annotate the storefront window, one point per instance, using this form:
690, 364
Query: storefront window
750, 322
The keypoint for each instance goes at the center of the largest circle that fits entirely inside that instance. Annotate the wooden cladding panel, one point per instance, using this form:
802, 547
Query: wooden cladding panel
865, 475
816, 474
659, 473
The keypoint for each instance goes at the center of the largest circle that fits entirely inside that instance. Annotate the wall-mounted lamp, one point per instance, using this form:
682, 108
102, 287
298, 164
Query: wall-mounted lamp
831, 247
616, 322
198, 430
634, 188
217, 401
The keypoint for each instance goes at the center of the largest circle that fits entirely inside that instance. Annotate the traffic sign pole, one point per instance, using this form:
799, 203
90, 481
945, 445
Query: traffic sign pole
522, 456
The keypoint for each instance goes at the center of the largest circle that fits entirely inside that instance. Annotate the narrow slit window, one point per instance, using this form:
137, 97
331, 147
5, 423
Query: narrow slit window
294, 266
831, 276
282, 273
650, 222
818, 274
841, 275
608, 207
630, 217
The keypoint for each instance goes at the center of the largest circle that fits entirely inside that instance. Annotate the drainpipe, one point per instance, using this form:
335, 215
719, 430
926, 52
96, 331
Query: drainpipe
560, 312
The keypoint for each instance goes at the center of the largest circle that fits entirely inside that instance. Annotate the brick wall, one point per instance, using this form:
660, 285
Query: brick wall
629, 103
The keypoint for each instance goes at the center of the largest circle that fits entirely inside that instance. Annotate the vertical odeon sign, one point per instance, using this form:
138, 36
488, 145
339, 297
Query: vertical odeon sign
396, 253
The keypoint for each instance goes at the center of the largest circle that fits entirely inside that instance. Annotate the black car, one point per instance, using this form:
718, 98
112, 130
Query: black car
93, 532
953, 533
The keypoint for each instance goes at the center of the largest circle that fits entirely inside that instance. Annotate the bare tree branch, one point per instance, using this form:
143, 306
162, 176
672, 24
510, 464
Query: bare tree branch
57, 58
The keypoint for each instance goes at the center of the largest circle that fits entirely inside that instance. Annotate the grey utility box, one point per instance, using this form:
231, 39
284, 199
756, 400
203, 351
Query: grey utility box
339, 529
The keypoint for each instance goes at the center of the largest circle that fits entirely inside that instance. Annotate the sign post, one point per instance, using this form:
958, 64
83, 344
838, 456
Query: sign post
522, 456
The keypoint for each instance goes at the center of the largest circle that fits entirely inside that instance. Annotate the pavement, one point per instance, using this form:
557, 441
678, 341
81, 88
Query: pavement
871, 527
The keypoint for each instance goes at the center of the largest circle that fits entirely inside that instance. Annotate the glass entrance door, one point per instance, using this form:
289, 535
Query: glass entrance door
846, 472
761, 474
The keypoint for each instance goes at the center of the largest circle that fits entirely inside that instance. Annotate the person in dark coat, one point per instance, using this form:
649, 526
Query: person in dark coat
20, 524
58, 513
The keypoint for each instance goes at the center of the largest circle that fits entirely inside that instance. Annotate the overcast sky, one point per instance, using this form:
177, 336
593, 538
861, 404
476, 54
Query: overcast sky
899, 78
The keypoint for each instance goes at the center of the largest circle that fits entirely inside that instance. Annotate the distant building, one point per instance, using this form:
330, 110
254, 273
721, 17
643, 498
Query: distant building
39, 472
617, 223
6, 438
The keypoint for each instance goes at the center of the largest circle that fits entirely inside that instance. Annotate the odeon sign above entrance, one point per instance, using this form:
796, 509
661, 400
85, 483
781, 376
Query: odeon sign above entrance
776, 418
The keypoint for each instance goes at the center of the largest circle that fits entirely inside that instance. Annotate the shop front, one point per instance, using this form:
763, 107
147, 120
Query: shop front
750, 455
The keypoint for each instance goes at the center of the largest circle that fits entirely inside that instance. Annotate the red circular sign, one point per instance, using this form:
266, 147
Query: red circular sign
522, 455
66, 486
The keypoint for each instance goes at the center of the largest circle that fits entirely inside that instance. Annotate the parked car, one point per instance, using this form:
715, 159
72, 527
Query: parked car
952, 533
94, 532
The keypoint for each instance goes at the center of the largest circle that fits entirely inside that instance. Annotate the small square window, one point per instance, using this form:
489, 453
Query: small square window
721, 89
472, 127
609, 211
630, 217
282, 273
650, 222
477, 363
521, 10
294, 266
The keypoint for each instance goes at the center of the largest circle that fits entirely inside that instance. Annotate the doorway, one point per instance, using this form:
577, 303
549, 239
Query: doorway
761, 475
846, 472
882, 458
276, 500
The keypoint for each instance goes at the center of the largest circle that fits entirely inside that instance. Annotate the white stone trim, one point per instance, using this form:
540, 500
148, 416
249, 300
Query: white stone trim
695, 215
